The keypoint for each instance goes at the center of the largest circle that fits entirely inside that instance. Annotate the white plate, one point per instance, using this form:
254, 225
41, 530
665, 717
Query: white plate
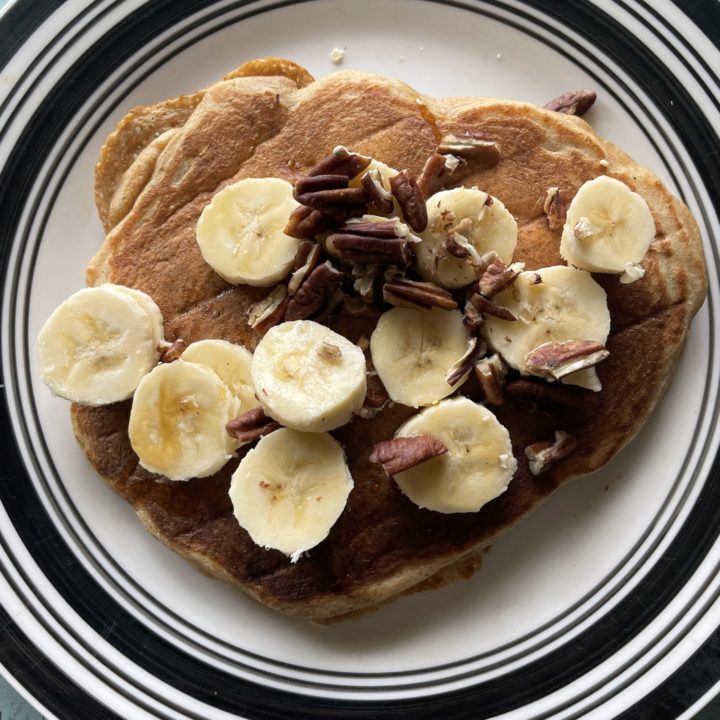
603, 602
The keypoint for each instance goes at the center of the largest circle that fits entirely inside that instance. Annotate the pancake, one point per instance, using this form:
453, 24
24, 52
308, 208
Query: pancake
161, 167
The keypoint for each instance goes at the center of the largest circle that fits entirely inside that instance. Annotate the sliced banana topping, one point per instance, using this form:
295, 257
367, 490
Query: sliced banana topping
609, 228
290, 490
178, 418
98, 344
566, 305
240, 233
232, 364
477, 467
308, 377
474, 223
414, 350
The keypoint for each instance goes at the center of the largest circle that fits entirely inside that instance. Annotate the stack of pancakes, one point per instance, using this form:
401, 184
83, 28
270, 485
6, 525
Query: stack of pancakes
161, 167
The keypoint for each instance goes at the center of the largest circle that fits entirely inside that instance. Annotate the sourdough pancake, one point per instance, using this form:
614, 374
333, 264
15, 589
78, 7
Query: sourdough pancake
162, 166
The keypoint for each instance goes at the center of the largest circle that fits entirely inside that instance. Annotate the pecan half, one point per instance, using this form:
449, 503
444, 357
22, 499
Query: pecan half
306, 260
402, 453
477, 149
436, 173
575, 102
269, 311
251, 425
411, 200
372, 243
377, 195
554, 208
491, 373
315, 292
304, 222
169, 352
544, 454
411, 293
487, 307
497, 277
341, 162
332, 198
476, 348
555, 360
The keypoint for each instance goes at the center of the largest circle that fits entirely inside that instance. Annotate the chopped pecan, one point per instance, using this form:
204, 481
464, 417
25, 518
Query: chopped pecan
304, 222
372, 243
411, 293
411, 200
377, 195
497, 277
364, 281
536, 279
472, 317
555, 360
436, 173
341, 162
554, 208
269, 311
476, 349
402, 453
487, 307
169, 352
633, 272
544, 454
575, 102
491, 373
251, 425
583, 229
564, 396
376, 395
306, 260
457, 242
330, 352
477, 149
315, 292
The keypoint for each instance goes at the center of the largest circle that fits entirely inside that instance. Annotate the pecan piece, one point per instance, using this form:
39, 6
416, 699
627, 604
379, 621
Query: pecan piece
472, 317
169, 352
372, 243
251, 425
410, 199
478, 149
376, 395
315, 292
411, 293
487, 307
306, 260
269, 311
436, 173
555, 360
497, 277
331, 199
364, 281
491, 373
476, 348
377, 195
554, 208
544, 454
341, 162
402, 453
304, 222
575, 102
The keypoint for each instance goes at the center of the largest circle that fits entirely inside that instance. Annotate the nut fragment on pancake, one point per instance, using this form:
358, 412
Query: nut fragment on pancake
542, 455
402, 453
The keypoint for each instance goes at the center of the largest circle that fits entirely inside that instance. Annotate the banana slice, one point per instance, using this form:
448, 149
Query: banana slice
483, 224
232, 364
477, 467
566, 304
177, 421
413, 350
609, 228
290, 489
149, 306
98, 344
308, 377
240, 233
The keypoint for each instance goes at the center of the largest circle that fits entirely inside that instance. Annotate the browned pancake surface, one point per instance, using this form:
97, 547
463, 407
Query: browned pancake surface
151, 188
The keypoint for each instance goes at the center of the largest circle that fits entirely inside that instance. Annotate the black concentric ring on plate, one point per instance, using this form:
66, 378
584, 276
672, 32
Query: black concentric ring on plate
181, 670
